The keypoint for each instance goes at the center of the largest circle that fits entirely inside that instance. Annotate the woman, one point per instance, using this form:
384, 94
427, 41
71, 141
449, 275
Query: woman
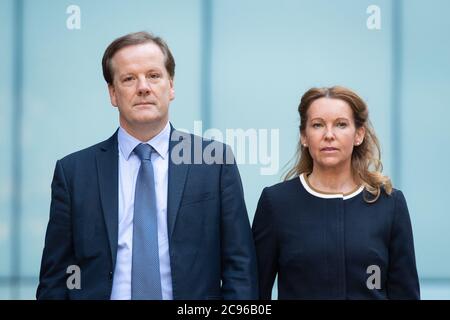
335, 228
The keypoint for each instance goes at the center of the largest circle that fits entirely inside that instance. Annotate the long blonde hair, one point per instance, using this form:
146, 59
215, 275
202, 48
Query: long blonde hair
366, 157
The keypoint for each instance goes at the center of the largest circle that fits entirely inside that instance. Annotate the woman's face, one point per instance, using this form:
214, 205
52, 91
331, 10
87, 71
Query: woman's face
330, 133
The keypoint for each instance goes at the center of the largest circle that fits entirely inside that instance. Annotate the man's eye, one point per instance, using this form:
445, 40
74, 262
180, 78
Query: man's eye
317, 125
154, 76
127, 79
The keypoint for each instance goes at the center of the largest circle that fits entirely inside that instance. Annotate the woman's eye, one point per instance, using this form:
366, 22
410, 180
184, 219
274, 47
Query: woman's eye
342, 125
317, 125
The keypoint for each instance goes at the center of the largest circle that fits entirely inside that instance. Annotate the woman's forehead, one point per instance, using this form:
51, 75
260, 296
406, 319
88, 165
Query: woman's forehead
329, 108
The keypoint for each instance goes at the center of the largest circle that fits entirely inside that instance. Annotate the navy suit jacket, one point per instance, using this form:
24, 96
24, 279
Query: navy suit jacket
322, 248
212, 254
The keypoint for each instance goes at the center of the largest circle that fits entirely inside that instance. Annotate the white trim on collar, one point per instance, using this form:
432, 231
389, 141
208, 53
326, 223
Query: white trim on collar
328, 196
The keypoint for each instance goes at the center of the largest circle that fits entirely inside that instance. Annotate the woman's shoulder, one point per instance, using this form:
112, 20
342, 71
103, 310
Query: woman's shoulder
392, 202
290, 185
393, 196
281, 198
282, 193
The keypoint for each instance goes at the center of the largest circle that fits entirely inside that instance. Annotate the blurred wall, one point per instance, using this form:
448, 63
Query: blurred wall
240, 65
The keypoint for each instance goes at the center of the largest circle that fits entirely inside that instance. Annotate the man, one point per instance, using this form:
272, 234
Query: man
134, 214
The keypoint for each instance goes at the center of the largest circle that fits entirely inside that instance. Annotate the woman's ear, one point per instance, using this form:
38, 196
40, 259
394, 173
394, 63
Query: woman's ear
360, 134
303, 140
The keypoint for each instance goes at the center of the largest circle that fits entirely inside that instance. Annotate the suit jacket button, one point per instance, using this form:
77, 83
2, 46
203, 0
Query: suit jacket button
110, 275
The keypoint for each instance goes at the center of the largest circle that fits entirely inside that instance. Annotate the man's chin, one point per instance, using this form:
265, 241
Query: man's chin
150, 121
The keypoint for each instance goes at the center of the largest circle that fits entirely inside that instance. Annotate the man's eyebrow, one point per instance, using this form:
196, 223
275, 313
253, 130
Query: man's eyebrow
125, 74
154, 69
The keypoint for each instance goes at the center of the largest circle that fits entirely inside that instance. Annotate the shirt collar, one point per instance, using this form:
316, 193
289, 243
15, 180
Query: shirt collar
160, 142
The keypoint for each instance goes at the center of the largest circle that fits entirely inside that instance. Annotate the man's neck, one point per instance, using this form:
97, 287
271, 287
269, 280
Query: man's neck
144, 132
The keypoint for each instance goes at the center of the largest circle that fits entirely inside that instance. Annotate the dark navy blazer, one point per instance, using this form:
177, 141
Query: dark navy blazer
326, 247
211, 248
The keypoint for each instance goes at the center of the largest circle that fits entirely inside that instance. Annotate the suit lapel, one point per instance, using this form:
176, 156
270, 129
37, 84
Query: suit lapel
177, 177
108, 177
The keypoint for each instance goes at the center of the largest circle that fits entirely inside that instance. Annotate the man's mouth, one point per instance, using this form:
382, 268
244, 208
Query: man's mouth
144, 104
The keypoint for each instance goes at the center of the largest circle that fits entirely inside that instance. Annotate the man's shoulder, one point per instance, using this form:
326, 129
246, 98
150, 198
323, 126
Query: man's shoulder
88, 154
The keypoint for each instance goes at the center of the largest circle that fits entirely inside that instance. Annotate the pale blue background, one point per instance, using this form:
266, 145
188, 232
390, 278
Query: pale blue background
240, 64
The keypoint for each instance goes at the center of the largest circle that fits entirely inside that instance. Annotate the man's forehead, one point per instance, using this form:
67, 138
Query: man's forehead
139, 51
147, 55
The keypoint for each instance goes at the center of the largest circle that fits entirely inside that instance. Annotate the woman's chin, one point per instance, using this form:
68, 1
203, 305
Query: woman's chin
331, 163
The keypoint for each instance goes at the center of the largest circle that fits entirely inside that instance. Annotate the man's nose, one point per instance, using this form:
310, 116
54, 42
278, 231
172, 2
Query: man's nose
143, 88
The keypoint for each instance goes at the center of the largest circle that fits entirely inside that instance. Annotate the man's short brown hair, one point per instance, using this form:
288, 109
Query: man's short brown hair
132, 39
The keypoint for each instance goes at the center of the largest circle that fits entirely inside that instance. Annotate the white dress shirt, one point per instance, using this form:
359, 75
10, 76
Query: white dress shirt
129, 164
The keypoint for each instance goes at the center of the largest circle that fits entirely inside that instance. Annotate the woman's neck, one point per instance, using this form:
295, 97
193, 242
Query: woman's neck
332, 180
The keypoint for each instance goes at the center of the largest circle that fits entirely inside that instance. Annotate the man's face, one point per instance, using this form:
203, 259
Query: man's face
142, 88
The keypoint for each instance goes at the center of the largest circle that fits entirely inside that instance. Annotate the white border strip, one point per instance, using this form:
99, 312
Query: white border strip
351, 195
328, 196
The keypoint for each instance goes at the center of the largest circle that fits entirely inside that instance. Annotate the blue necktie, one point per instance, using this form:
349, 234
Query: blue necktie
145, 276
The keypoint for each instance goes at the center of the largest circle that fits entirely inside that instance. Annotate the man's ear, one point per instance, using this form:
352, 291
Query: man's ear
172, 89
112, 94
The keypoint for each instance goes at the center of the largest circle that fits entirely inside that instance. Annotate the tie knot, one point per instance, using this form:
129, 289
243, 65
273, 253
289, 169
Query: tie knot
143, 151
